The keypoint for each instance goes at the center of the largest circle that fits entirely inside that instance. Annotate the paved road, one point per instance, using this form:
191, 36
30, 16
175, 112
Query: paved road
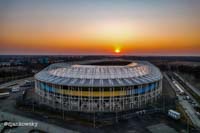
49, 128
7, 106
13, 82
187, 106
190, 111
186, 92
197, 91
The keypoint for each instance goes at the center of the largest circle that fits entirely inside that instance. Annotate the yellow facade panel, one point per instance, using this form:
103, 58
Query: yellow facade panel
92, 93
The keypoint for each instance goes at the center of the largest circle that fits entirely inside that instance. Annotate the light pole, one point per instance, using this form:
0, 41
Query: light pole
188, 126
94, 120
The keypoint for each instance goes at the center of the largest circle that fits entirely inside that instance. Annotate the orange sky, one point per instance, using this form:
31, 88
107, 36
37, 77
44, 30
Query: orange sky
162, 28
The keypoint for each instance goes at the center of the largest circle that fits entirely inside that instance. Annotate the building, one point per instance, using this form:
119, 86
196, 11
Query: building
43, 60
99, 86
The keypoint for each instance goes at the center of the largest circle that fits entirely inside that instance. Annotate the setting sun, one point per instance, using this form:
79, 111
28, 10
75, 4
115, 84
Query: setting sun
117, 51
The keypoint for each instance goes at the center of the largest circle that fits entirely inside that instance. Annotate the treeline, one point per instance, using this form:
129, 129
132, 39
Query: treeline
7, 75
193, 70
13, 73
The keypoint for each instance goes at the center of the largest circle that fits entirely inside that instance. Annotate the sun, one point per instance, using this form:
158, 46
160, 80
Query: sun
117, 50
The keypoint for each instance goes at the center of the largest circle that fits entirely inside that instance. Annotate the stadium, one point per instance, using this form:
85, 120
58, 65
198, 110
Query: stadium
98, 85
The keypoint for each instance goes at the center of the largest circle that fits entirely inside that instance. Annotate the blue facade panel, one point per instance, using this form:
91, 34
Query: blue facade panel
47, 87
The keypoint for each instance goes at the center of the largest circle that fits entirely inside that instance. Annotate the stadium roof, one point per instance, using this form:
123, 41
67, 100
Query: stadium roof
84, 74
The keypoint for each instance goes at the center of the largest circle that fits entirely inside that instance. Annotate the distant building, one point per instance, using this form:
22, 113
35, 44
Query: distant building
5, 64
44, 60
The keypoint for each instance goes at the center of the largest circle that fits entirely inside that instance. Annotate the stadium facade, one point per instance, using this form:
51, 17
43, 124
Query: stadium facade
98, 86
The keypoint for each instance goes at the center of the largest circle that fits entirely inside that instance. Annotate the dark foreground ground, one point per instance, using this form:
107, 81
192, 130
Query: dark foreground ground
136, 124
